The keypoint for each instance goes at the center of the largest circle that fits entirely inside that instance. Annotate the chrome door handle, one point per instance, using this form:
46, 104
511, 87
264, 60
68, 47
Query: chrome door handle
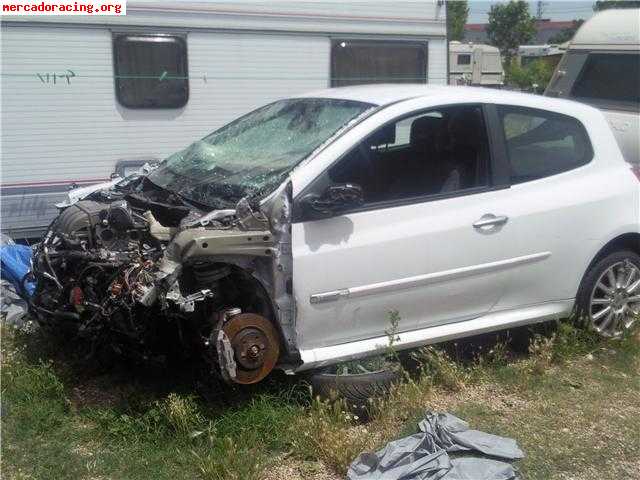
490, 220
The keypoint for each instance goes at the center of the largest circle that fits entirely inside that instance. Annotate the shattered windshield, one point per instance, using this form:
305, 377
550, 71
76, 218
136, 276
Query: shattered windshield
254, 153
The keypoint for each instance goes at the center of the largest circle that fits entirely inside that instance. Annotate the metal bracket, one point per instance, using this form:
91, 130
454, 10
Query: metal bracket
187, 304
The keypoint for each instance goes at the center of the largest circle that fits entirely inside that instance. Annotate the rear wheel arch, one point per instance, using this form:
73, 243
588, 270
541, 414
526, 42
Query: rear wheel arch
627, 241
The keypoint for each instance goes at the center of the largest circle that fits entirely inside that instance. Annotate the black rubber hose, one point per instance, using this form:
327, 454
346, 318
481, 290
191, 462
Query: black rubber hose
66, 315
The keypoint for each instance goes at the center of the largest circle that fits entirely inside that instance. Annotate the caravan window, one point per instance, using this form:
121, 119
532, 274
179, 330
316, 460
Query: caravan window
355, 62
464, 59
151, 71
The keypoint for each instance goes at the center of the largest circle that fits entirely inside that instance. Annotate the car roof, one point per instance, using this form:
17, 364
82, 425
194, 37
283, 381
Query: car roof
386, 94
378, 94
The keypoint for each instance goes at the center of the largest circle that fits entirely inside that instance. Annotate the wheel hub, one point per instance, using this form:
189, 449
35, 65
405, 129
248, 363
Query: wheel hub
249, 346
619, 301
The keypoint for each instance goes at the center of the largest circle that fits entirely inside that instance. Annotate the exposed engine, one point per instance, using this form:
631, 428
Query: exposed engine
114, 278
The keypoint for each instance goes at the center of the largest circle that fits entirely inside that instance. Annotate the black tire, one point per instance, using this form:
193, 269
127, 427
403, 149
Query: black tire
582, 310
357, 389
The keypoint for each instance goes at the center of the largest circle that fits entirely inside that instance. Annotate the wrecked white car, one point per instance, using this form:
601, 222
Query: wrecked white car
283, 239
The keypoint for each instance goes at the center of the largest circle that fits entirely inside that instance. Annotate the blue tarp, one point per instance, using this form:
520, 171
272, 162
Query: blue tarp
16, 263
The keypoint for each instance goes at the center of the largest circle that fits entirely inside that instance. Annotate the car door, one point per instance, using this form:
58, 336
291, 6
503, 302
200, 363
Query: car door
430, 239
562, 202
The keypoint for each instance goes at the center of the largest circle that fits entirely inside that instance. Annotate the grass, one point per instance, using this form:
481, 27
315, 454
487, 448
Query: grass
572, 402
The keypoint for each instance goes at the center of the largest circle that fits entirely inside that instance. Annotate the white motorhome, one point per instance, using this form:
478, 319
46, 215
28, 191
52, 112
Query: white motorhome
86, 96
475, 64
602, 67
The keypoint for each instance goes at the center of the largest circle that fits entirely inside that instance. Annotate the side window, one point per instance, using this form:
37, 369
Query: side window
432, 153
464, 59
541, 144
151, 71
355, 62
610, 78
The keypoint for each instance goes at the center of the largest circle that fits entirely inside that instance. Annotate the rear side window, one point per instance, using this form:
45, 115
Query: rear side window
541, 143
151, 71
610, 78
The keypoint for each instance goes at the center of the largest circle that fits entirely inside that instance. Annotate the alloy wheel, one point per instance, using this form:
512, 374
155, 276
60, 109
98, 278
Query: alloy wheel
615, 300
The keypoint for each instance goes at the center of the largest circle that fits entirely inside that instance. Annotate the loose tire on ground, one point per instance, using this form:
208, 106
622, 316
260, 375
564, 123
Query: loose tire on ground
356, 389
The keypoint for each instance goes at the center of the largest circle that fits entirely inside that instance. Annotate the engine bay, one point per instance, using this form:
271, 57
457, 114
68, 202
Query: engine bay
134, 271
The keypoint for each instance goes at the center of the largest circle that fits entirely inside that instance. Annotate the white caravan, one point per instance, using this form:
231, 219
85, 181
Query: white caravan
86, 96
475, 64
602, 68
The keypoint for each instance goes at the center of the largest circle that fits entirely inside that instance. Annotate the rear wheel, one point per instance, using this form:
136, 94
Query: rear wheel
609, 297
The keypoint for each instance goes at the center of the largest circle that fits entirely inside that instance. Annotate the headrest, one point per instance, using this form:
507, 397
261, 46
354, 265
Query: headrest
425, 129
384, 136
466, 125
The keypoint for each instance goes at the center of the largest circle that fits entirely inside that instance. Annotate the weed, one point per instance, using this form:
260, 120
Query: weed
541, 353
328, 432
264, 420
181, 414
498, 355
387, 358
34, 395
404, 401
125, 427
570, 341
392, 332
435, 364
225, 460
29, 383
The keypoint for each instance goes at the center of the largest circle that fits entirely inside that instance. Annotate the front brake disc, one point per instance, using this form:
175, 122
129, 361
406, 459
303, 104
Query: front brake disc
255, 344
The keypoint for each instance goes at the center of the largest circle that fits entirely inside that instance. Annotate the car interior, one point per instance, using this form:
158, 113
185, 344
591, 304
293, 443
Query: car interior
437, 152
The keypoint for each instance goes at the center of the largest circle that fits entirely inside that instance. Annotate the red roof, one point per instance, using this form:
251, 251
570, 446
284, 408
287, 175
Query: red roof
476, 27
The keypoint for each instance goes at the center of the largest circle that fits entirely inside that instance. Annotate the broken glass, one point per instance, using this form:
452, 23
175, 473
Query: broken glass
254, 153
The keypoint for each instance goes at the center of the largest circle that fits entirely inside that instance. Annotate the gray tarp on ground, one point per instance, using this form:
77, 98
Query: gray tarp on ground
13, 309
425, 455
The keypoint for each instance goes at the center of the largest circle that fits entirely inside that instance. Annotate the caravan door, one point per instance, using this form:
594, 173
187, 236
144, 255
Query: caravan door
476, 78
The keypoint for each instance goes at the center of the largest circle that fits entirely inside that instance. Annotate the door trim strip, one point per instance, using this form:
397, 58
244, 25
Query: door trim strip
425, 279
